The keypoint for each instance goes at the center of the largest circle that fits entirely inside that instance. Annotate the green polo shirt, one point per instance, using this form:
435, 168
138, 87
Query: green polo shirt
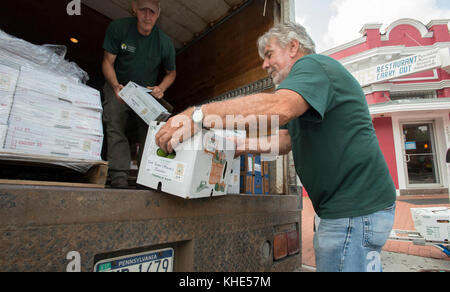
139, 58
336, 151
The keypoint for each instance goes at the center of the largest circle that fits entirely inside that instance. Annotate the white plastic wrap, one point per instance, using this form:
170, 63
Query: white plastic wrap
46, 114
46, 117
46, 57
8, 80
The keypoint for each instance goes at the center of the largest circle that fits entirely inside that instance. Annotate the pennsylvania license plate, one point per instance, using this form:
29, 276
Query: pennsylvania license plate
152, 261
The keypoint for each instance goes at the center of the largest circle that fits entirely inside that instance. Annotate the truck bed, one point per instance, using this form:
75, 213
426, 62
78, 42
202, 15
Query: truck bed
40, 226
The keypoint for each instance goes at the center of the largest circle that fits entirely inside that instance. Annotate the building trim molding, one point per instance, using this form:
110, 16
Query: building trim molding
424, 32
410, 106
406, 87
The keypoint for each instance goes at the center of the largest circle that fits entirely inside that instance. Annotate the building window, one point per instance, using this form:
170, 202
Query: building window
430, 94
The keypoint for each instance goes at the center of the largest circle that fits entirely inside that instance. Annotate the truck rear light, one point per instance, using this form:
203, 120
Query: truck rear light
280, 246
293, 242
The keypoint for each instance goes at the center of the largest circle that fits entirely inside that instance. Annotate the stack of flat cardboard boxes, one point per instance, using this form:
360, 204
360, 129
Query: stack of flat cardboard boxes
8, 80
45, 109
51, 116
254, 175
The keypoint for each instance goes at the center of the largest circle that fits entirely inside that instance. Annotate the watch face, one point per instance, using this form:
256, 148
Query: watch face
197, 116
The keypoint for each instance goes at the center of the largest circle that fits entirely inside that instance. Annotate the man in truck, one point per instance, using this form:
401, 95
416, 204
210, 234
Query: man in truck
326, 123
135, 50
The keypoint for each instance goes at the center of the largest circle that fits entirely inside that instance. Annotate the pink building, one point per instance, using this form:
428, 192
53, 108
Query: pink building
405, 74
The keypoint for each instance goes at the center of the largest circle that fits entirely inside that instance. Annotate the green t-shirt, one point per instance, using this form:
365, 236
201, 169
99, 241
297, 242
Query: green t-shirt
336, 151
139, 58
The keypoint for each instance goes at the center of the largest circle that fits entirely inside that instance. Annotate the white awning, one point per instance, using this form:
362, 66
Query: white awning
408, 105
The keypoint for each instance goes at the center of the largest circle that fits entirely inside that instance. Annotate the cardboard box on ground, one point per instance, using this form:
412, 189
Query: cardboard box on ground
432, 223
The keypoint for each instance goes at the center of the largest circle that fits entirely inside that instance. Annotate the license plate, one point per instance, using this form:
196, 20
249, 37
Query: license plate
151, 261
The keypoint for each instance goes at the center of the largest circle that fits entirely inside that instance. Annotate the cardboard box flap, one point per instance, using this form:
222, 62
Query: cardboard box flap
144, 104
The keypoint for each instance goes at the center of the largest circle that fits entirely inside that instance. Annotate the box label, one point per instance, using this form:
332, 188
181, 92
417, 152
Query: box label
5, 82
166, 168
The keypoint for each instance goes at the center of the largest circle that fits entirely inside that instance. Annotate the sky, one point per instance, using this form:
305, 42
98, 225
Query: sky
331, 23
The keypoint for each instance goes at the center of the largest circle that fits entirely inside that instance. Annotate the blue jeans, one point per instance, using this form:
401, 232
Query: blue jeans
353, 244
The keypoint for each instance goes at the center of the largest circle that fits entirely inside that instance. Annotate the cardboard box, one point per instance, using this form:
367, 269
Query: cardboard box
53, 116
264, 167
248, 184
257, 167
3, 130
254, 184
5, 108
201, 166
50, 84
243, 157
254, 175
242, 184
50, 111
8, 81
257, 184
266, 184
252, 164
143, 103
432, 223
83, 96
44, 82
249, 164
31, 138
234, 182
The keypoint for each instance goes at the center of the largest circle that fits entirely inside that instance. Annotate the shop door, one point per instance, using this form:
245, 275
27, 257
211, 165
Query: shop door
420, 155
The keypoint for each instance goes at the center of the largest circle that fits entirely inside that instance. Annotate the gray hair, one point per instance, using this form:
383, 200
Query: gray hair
285, 33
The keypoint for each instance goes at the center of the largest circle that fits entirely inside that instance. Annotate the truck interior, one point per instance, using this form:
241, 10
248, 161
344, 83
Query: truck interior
214, 55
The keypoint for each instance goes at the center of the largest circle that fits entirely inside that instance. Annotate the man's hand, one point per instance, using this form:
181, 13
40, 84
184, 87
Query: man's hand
117, 89
110, 74
157, 92
177, 129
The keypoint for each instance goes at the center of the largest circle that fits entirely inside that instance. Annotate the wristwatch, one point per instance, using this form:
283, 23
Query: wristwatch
197, 116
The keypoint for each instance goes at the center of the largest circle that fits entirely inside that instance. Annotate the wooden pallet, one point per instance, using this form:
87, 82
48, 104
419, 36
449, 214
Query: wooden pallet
26, 169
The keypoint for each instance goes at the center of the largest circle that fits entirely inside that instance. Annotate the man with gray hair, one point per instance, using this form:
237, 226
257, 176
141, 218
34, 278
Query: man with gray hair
326, 123
135, 50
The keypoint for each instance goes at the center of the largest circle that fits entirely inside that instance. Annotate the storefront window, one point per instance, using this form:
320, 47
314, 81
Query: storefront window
420, 154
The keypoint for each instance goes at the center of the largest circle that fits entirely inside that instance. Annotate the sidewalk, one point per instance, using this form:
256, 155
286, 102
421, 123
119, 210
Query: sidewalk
403, 221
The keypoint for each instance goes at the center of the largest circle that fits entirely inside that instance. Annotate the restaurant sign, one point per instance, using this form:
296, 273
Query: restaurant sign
401, 67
